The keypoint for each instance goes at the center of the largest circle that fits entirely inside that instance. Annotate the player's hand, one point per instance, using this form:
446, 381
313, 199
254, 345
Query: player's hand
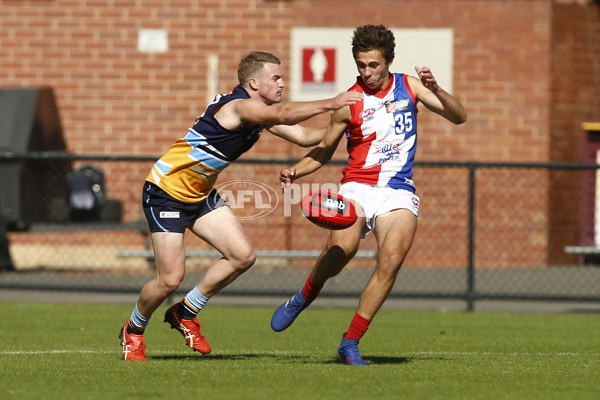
345, 99
427, 78
286, 177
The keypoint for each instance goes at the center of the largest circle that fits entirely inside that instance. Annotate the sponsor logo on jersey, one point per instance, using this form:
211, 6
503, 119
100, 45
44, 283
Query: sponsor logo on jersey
399, 105
387, 148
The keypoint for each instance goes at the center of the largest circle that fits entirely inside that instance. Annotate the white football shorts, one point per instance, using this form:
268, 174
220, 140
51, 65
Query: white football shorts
377, 201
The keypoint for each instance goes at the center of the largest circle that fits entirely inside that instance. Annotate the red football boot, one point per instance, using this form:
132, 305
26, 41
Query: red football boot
134, 348
189, 328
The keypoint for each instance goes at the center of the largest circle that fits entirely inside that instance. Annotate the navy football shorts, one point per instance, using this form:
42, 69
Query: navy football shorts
167, 214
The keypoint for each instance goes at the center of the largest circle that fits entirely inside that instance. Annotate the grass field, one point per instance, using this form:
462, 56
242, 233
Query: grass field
70, 351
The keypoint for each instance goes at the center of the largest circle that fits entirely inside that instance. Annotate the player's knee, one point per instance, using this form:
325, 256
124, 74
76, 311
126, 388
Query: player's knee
333, 260
390, 271
389, 266
343, 252
249, 260
244, 260
170, 283
342, 247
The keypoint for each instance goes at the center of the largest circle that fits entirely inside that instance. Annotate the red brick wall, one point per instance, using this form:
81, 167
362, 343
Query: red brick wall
575, 93
116, 100
576, 77
526, 71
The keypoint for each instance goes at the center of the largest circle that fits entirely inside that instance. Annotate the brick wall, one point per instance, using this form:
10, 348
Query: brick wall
116, 100
526, 70
576, 77
575, 94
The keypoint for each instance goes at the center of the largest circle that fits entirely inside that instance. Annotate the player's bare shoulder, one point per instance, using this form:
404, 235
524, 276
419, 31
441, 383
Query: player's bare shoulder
416, 85
229, 116
251, 111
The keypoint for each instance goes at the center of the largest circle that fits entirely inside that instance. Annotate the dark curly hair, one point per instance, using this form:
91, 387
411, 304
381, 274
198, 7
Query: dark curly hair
374, 37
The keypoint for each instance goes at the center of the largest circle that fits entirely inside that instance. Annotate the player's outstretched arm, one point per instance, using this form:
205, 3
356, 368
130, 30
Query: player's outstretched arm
256, 112
304, 136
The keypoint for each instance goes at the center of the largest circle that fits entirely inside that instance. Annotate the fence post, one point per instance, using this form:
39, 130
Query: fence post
470, 295
6, 263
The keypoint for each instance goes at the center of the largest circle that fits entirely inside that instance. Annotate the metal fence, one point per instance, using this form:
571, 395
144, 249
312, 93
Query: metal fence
486, 231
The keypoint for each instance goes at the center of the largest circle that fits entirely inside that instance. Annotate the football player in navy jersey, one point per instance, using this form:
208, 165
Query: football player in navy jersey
178, 194
381, 130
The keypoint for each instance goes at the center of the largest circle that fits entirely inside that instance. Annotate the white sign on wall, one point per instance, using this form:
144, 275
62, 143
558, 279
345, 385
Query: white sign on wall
153, 41
322, 62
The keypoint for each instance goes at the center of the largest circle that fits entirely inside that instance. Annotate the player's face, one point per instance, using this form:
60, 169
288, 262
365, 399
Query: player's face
271, 84
373, 69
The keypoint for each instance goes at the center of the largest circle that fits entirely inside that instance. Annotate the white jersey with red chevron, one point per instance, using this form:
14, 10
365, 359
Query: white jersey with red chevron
382, 136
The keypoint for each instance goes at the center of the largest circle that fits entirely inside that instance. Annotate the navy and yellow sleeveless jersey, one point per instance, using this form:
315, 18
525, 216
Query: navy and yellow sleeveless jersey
191, 165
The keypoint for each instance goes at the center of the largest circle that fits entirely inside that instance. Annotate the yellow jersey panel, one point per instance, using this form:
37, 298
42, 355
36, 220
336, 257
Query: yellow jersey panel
189, 168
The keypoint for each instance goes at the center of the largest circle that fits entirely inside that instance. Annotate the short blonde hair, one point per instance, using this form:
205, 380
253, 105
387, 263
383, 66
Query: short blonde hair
252, 65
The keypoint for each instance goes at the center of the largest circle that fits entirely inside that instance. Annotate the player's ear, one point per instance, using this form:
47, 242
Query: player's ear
253, 83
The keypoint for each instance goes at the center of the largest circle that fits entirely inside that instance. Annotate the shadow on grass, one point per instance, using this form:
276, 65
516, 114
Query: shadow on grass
209, 357
288, 358
231, 357
387, 360
377, 360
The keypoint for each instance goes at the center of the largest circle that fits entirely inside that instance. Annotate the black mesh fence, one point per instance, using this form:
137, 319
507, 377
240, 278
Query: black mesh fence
486, 231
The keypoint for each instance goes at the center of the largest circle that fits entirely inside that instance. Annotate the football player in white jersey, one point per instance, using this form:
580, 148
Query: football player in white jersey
381, 133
